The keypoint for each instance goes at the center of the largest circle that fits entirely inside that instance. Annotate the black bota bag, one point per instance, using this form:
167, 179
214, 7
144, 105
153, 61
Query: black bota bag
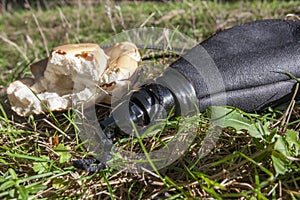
250, 66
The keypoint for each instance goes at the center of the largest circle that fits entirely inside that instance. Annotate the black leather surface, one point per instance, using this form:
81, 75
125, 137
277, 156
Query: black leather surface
251, 59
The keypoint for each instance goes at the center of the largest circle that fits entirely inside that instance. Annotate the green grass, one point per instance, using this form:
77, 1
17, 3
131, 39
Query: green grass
256, 156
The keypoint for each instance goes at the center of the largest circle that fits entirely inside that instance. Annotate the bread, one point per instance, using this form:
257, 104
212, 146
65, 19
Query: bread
73, 74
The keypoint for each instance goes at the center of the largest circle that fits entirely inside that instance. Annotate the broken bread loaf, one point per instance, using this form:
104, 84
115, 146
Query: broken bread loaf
74, 74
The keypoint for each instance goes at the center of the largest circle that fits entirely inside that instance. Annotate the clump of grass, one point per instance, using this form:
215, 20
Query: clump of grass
256, 156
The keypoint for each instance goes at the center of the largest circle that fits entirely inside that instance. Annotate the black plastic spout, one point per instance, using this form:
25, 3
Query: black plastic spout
151, 103
142, 107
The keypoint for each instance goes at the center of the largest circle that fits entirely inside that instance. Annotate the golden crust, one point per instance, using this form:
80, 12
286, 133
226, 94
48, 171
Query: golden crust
76, 48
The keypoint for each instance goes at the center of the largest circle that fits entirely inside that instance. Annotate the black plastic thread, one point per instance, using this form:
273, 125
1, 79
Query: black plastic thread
156, 102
